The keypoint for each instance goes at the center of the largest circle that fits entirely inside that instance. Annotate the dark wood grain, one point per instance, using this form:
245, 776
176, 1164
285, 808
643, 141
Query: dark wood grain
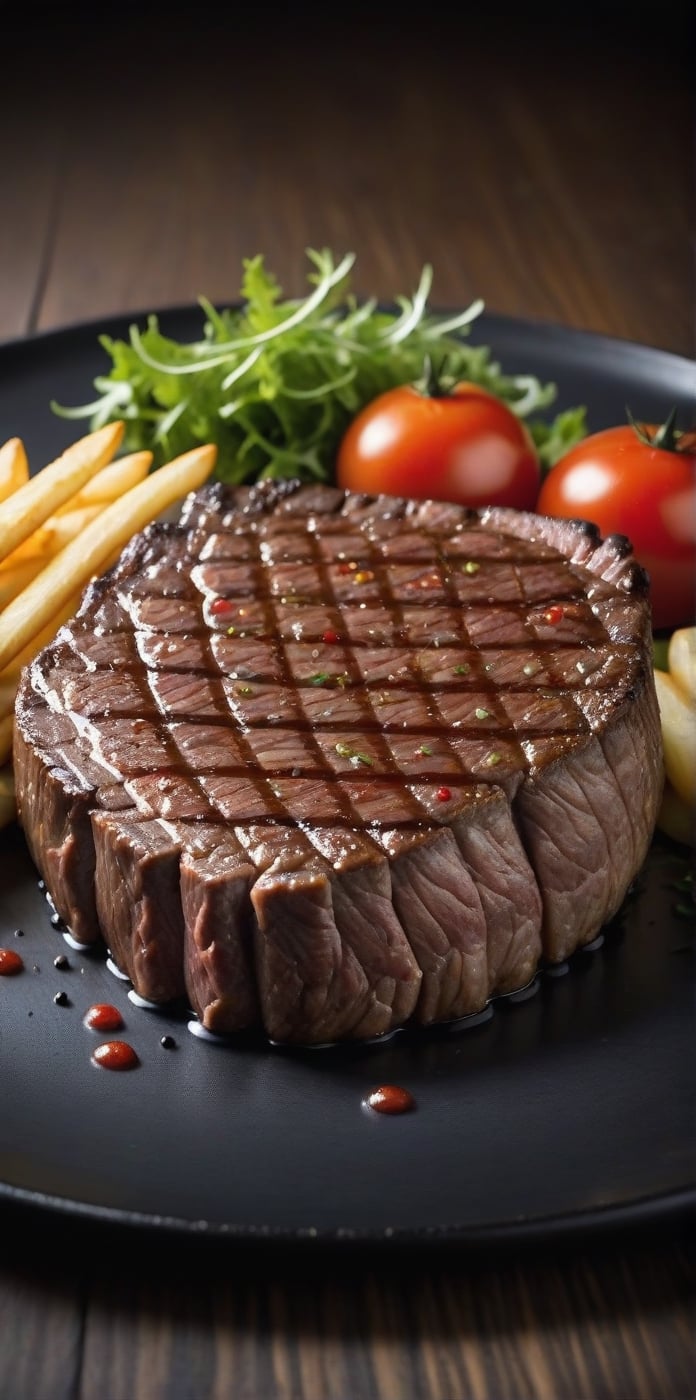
546, 168
102, 1313
545, 165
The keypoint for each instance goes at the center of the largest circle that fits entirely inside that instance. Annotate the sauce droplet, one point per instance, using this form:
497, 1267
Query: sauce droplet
103, 1017
553, 614
390, 1098
221, 606
115, 1054
10, 962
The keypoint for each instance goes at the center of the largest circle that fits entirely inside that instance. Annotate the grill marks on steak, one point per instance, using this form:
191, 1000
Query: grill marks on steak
417, 752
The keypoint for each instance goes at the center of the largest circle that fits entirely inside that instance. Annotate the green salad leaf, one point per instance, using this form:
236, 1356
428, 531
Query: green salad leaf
275, 382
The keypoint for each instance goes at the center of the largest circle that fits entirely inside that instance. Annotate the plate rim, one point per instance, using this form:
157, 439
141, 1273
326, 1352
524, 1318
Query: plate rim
541, 326
668, 1207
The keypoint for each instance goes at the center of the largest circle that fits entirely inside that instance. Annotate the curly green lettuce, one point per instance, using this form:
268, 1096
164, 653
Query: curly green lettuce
275, 382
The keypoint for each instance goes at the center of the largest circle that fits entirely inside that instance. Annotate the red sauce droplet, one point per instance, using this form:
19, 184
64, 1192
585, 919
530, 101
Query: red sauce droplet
115, 1054
443, 794
103, 1017
391, 1098
221, 606
553, 614
330, 637
10, 962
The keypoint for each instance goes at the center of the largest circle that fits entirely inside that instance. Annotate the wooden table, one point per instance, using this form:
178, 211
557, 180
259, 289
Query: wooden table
547, 167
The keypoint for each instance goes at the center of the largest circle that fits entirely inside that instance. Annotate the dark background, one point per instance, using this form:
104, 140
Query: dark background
176, 141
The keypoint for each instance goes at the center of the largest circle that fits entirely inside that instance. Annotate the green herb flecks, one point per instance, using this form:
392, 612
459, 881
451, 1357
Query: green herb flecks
330, 678
275, 382
347, 751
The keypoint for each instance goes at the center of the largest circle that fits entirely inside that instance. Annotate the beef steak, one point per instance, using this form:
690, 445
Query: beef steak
325, 764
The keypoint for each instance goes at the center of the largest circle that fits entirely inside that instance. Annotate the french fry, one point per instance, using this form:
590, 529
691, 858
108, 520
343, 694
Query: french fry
9, 681
678, 722
85, 556
681, 661
62, 528
41, 496
10, 675
8, 809
6, 731
676, 817
14, 467
58, 530
77, 512
112, 481
8, 691
13, 580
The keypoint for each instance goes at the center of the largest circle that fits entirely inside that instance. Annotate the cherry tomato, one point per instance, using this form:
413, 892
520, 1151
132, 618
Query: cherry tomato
463, 445
638, 482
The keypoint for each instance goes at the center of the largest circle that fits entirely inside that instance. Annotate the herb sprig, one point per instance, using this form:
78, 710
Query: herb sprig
275, 382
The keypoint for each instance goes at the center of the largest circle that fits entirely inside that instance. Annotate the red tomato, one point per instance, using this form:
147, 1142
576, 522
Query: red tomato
464, 445
628, 485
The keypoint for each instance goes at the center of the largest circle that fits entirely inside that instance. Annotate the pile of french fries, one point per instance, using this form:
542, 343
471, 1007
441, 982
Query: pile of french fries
59, 528
676, 695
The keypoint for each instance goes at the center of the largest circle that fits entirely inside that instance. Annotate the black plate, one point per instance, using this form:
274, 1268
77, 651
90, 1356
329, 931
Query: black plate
572, 1109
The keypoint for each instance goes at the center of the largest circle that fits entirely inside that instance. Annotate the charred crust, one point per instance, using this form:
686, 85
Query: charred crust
356, 500
636, 579
618, 545
266, 495
586, 529
216, 494
577, 526
147, 545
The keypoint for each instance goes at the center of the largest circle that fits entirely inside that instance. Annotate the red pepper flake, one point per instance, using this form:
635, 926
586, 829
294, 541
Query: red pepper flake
553, 614
330, 637
10, 962
425, 581
221, 605
443, 794
347, 568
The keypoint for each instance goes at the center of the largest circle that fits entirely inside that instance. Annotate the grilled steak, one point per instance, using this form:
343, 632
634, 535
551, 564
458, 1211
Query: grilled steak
325, 764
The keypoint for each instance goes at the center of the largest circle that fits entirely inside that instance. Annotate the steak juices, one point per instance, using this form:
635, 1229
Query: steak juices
327, 764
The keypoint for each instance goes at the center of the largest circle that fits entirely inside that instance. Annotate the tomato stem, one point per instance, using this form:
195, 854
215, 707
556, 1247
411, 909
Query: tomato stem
665, 437
433, 385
